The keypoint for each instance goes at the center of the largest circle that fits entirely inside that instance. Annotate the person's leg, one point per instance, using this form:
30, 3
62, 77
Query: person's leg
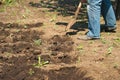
94, 10
108, 14
117, 11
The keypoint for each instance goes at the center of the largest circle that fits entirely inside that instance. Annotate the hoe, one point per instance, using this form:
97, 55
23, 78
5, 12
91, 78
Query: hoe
75, 18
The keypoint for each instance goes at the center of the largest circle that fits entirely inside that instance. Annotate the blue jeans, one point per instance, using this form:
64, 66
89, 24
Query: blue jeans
95, 9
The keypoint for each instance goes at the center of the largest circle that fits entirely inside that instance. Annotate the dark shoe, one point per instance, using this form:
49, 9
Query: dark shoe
87, 38
105, 28
110, 28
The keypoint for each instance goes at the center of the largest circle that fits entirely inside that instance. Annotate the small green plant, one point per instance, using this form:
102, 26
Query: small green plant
109, 51
40, 63
31, 71
91, 42
103, 40
38, 42
8, 2
116, 66
117, 39
80, 47
5, 4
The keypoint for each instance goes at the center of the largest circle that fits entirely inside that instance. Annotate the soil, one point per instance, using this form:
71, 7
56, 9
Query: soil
35, 46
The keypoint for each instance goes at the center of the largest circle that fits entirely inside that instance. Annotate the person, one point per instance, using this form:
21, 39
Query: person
94, 9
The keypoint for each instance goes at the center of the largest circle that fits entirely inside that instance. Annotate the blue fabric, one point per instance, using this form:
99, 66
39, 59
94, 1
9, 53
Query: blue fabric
95, 8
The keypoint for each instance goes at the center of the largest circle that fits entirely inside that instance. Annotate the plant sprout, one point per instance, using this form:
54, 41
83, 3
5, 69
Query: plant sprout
40, 63
38, 42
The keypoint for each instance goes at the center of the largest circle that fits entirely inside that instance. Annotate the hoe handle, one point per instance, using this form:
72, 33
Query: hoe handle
76, 15
78, 9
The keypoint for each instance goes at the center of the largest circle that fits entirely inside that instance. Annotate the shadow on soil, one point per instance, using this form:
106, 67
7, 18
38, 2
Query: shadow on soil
63, 7
78, 26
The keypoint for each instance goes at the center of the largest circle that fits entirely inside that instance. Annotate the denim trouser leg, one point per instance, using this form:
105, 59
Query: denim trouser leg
108, 13
94, 11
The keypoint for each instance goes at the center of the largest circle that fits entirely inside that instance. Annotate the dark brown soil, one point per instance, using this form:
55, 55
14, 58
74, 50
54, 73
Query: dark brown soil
34, 44
19, 52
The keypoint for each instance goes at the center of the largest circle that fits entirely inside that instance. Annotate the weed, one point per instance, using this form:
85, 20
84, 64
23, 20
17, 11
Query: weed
8, 2
38, 42
103, 40
80, 47
116, 66
109, 51
91, 42
31, 71
117, 39
40, 63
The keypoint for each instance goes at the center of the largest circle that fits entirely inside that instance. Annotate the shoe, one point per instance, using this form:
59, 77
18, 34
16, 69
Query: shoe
87, 38
110, 28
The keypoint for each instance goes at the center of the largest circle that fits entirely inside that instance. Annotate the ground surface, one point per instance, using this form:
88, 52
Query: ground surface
34, 46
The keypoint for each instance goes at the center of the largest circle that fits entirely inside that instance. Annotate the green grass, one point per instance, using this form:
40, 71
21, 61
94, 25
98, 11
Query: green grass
8, 2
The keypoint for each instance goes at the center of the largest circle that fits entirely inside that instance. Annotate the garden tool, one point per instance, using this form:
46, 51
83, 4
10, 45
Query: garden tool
75, 18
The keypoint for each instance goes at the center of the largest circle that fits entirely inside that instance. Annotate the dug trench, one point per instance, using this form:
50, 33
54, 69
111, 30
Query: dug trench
21, 49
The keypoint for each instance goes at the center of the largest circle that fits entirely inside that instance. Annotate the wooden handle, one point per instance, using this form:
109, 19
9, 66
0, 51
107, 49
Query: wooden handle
78, 9
74, 20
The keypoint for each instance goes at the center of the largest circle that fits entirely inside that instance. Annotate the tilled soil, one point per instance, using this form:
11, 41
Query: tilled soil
35, 46
20, 50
